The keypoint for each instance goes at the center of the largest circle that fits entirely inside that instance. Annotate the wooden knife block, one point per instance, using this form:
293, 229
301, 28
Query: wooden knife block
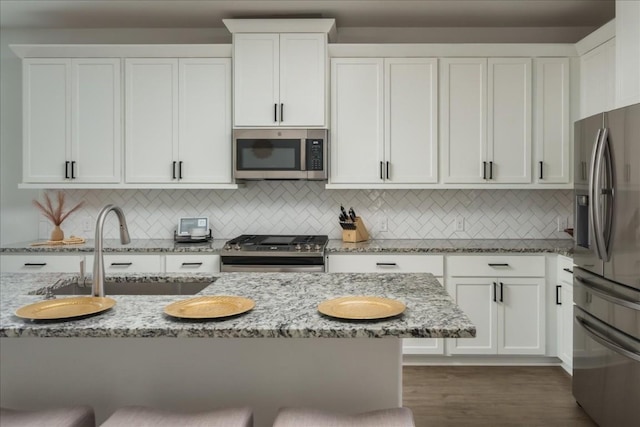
360, 234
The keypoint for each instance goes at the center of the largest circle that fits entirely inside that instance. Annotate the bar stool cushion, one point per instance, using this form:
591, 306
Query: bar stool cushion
296, 417
140, 416
73, 416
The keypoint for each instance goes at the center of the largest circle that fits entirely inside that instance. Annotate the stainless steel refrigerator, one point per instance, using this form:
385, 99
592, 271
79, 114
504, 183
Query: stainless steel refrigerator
606, 347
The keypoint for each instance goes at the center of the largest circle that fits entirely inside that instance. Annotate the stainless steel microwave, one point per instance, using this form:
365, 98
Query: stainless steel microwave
280, 154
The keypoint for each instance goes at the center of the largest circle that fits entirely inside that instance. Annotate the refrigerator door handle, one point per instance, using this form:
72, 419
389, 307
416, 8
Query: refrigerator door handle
605, 341
594, 203
610, 296
601, 195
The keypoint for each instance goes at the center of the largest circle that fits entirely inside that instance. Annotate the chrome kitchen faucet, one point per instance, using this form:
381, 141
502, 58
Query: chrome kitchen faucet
97, 288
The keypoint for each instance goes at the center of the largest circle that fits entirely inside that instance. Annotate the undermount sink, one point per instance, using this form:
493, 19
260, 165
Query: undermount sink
135, 288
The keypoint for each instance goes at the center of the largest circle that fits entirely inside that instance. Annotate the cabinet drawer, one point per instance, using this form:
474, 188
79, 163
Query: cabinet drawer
204, 263
565, 270
496, 266
40, 263
129, 264
366, 263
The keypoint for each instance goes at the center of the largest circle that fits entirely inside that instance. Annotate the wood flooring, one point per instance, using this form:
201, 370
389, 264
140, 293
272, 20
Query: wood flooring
494, 396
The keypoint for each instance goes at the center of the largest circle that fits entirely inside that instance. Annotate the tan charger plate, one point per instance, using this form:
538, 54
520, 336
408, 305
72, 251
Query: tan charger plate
361, 308
209, 307
65, 308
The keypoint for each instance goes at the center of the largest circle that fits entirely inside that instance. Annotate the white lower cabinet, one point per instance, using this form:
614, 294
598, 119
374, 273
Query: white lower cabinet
22, 263
204, 263
564, 313
394, 263
129, 263
507, 306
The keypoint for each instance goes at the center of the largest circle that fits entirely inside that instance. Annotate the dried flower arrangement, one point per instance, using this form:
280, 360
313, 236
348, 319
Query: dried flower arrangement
56, 215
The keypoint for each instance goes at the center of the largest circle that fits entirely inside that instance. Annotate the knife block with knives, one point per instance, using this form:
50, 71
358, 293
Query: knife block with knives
358, 233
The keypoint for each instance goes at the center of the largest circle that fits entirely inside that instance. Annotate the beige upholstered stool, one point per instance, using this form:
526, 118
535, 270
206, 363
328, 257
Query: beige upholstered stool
298, 417
73, 416
140, 416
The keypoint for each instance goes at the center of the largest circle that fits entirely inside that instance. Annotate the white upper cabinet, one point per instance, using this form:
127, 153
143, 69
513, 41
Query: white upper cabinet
280, 79
384, 121
552, 123
71, 120
486, 120
597, 79
627, 53
357, 128
178, 128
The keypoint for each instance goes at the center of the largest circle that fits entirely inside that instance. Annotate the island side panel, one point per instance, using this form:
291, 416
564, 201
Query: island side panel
343, 375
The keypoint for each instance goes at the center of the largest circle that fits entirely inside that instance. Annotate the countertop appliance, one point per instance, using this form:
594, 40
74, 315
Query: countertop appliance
606, 347
280, 154
274, 253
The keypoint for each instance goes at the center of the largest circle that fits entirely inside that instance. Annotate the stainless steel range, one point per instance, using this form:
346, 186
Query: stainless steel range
274, 253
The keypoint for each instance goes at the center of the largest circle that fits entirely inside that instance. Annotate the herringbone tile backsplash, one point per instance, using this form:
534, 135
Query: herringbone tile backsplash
293, 207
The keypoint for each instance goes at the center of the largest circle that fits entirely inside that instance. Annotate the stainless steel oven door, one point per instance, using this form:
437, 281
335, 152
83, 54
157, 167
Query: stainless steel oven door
272, 268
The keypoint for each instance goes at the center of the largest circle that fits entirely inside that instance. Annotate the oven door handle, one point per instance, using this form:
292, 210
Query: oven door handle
597, 336
272, 268
609, 296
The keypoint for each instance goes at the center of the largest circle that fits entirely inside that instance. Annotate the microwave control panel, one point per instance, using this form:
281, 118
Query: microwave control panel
315, 160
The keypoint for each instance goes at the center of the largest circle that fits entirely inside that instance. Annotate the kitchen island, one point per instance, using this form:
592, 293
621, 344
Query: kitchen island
135, 354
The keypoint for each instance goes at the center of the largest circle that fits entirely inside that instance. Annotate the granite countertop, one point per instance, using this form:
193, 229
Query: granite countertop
559, 246
286, 306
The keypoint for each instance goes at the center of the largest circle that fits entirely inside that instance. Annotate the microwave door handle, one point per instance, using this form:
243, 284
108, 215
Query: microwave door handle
593, 198
303, 154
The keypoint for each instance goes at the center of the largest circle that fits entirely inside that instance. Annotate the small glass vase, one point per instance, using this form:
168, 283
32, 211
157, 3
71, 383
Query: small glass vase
57, 234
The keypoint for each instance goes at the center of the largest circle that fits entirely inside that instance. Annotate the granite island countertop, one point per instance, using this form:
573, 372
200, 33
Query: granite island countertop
442, 246
286, 307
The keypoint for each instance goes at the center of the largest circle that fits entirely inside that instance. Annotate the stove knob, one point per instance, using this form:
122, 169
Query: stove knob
298, 247
317, 247
227, 247
237, 247
307, 247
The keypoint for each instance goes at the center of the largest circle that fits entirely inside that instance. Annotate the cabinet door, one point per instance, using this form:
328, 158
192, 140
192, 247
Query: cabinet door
565, 341
552, 121
597, 74
627, 53
475, 297
521, 316
204, 149
96, 117
151, 119
128, 263
21, 263
192, 263
302, 79
357, 109
46, 112
256, 79
411, 120
463, 119
509, 120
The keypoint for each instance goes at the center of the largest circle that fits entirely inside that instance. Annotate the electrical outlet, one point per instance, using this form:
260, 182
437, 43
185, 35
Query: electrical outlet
459, 224
562, 223
383, 225
86, 225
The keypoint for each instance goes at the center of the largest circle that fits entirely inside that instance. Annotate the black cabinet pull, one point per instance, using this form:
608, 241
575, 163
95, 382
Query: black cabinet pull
490, 170
275, 113
121, 264
180, 169
386, 264
501, 292
498, 265
66, 170
35, 264
173, 173
73, 169
191, 264
484, 170
495, 292
281, 113
558, 295
387, 170
381, 170
541, 169
568, 270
